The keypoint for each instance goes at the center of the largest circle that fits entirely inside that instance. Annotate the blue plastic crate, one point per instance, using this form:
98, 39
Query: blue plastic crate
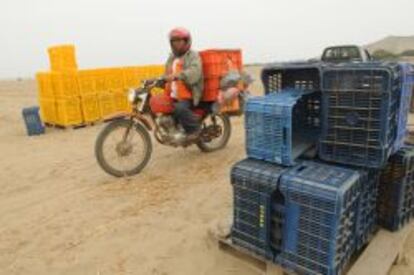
319, 229
407, 85
292, 75
254, 182
282, 126
32, 121
396, 190
359, 113
367, 207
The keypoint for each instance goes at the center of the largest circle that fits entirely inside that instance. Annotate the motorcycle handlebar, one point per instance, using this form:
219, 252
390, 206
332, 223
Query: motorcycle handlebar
154, 81
148, 84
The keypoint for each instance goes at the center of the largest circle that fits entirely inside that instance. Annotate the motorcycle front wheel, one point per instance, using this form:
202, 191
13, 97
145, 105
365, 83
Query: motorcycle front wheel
221, 121
123, 148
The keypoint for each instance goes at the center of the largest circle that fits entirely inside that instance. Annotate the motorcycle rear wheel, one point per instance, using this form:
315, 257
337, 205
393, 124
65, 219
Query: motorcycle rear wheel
123, 150
219, 142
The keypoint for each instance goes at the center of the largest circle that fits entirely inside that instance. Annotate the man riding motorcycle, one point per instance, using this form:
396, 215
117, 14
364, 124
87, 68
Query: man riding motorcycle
179, 117
184, 77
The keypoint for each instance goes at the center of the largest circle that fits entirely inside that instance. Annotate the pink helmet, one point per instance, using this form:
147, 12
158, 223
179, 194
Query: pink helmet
181, 33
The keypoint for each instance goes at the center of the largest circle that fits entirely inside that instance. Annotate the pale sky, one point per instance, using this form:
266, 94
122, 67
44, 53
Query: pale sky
133, 32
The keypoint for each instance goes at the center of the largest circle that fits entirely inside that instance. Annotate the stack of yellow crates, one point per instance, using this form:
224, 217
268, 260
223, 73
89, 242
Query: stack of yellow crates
70, 97
58, 89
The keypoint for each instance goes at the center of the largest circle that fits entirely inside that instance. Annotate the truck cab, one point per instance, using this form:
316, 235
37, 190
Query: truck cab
346, 53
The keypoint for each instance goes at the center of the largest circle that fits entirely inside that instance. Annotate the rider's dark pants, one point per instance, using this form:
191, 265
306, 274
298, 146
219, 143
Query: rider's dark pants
183, 115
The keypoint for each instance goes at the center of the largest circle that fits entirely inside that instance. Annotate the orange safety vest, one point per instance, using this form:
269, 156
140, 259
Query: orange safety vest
183, 93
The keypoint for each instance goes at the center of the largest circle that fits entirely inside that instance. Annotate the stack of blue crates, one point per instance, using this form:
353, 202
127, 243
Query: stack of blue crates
311, 215
306, 217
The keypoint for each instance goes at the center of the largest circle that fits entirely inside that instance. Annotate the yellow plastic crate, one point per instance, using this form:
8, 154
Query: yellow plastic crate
68, 111
62, 58
121, 101
157, 70
160, 69
132, 77
90, 108
106, 104
101, 80
114, 79
48, 110
44, 85
142, 74
65, 84
148, 72
86, 82
91, 81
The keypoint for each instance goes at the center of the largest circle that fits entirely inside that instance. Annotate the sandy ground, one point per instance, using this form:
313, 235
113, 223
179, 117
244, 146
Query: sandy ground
61, 214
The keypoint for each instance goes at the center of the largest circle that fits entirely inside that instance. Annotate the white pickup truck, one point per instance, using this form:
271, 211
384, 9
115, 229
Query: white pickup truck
346, 53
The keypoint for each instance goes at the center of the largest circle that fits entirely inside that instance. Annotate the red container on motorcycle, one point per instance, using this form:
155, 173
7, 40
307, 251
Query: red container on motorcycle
162, 103
216, 64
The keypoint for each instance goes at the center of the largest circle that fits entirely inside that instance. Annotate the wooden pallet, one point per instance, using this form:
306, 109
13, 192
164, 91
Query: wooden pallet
74, 127
109, 119
256, 263
384, 250
80, 125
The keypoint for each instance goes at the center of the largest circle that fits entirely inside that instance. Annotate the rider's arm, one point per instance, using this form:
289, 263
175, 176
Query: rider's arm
192, 74
167, 67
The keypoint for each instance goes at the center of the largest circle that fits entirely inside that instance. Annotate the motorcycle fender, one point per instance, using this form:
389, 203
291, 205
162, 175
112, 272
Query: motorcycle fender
144, 121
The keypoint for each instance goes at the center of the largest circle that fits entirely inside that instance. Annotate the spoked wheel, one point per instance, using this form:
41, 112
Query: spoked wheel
123, 148
215, 133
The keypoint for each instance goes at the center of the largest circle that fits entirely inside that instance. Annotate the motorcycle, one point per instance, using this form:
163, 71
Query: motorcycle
124, 146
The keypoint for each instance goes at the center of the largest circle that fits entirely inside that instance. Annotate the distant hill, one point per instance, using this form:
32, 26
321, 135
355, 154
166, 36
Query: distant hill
393, 44
393, 47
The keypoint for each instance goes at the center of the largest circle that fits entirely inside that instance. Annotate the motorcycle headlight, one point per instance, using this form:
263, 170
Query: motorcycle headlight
131, 95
